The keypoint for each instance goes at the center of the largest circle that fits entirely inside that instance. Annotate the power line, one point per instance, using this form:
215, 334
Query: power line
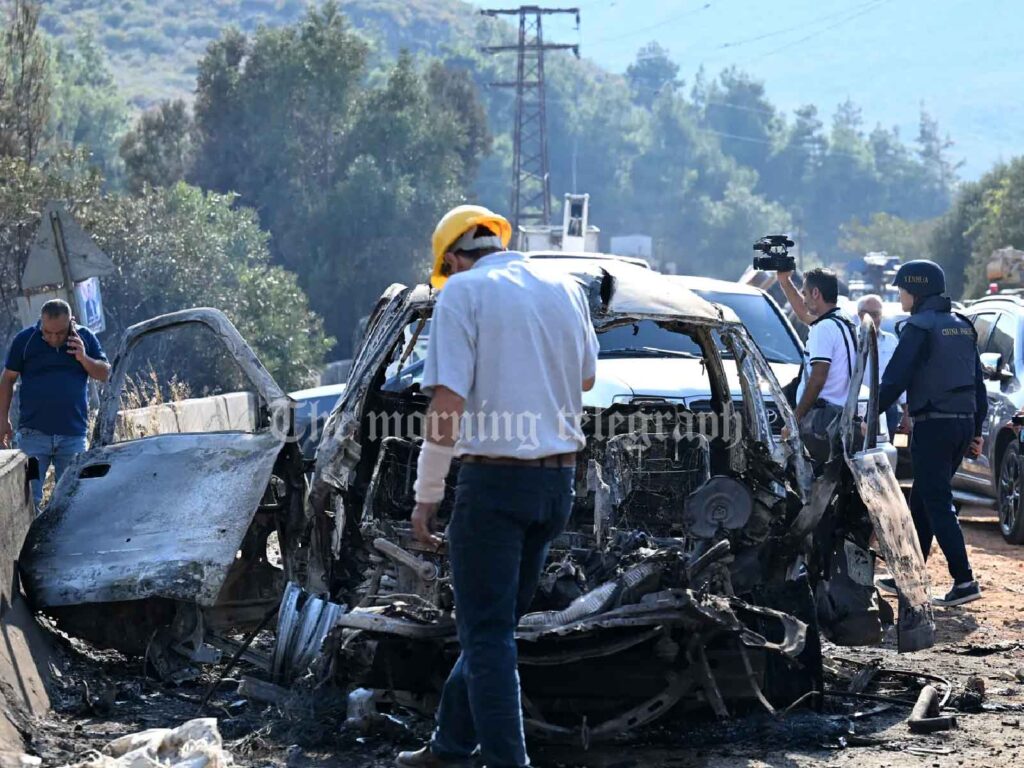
877, 4
658, 25
794, 28
742, 108
829, 150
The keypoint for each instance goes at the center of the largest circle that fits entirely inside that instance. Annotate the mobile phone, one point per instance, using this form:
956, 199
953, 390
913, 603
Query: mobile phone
72, 333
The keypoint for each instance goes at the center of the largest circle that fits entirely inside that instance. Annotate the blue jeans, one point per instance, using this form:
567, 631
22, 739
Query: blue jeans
58, 450
937, 446
503, 522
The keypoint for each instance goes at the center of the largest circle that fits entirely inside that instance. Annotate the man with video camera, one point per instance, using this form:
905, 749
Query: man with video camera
831, 352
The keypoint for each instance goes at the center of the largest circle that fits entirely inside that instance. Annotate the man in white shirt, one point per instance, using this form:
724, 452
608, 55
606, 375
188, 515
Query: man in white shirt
831, 355
511, 351
871, 306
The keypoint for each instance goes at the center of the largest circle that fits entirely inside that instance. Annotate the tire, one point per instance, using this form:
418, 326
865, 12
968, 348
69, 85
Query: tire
1009, 507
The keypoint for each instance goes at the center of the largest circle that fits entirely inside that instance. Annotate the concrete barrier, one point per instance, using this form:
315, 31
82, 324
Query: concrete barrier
24, 647
233, 412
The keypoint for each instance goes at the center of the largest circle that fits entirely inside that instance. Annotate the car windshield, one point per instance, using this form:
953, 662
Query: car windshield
763, 323
645, 338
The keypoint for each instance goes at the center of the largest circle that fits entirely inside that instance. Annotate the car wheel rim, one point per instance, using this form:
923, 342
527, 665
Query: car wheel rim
1009, 492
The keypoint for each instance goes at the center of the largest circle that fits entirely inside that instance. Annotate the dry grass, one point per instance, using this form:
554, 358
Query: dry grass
146, 390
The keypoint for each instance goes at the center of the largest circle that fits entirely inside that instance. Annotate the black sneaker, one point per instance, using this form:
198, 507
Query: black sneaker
887, 585
959, 595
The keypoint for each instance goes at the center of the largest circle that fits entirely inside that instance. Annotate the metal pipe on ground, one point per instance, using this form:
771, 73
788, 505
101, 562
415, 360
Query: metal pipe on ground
925, 717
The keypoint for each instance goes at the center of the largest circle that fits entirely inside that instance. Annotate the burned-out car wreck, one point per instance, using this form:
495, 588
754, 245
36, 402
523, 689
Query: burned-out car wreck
702, 563
702, 559
155, 539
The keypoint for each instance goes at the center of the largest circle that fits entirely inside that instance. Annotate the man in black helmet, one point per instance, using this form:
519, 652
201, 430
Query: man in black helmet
936, 363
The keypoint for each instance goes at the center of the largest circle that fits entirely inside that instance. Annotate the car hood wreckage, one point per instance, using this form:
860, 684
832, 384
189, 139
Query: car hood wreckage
702, 561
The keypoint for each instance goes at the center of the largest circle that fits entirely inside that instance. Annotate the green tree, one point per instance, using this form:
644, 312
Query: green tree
1001, 223
160, 149
26, 84
897, 171
88, 109
453, 92
884, 232
953, 241
939, 171
651, 74
179, 247
986, 215
172, 248
846, 185
219, 114
794, 166
349, 173
698, 205
595, 134
735, 107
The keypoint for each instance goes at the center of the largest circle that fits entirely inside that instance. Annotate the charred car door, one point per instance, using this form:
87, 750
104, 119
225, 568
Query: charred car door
141, 525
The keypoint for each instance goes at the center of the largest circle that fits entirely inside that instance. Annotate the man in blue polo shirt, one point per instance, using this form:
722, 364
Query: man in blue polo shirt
55, 359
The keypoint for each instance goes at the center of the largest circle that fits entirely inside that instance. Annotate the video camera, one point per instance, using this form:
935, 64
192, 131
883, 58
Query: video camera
776, 256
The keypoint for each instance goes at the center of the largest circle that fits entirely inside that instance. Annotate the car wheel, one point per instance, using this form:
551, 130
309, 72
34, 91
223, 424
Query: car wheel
1011, 519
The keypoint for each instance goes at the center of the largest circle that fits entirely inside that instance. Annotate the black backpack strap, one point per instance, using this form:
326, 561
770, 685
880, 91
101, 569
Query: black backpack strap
843, 323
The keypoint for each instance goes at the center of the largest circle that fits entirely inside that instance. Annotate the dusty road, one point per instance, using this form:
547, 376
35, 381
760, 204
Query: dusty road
101, 697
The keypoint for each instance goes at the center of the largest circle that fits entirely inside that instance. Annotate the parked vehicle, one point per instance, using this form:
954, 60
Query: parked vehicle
312, 407
623, 375
994, 478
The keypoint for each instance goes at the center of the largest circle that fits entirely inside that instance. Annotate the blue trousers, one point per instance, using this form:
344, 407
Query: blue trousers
937, 447
503, 522
58, 450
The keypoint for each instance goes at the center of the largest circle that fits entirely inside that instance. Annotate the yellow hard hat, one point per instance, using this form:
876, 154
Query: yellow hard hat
454, 225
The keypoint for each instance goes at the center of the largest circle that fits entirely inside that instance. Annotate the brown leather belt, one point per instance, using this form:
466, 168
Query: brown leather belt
555, 461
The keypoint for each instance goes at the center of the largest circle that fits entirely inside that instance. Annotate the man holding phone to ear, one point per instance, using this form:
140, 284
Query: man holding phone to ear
55, 358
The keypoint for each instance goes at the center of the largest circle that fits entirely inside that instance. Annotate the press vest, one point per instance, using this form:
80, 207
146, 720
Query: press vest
944, 381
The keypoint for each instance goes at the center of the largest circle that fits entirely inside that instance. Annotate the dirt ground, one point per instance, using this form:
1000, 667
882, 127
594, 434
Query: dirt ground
100, 696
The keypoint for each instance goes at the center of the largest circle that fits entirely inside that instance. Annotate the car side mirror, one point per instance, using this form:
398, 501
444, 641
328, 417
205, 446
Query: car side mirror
991, 365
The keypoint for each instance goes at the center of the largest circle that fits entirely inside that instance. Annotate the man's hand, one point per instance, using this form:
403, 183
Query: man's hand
423, 517
905, 424
977, 446
785, 433
77, 348
97, 369
6, 433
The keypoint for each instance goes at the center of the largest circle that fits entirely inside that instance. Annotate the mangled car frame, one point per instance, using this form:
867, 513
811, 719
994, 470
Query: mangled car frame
156, 536
701, 558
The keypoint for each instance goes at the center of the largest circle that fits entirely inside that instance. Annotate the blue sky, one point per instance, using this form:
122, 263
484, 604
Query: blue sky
963, 59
